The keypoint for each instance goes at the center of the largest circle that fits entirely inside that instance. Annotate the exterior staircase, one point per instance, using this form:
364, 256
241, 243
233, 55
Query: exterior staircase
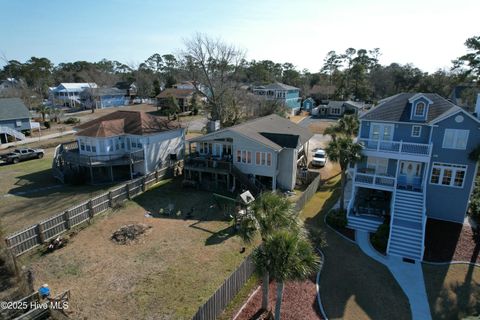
253, 185
12, 132
368, 224
407, 228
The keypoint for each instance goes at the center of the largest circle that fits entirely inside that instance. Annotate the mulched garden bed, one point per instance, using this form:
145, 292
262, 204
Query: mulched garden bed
448, 241
347, 232
299, 302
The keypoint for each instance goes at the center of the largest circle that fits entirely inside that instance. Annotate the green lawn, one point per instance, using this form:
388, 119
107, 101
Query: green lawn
29, 193
169, 274
453, 290
352, 286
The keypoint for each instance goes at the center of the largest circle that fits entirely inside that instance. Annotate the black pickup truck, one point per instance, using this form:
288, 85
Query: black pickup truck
21, 155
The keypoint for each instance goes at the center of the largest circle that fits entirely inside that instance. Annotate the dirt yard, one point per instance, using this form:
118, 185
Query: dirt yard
320, 126
453, 291
170, 272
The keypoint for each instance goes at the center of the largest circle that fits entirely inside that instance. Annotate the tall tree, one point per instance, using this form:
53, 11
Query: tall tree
470, 60
269, 213
215, 65
285, 255
343, 151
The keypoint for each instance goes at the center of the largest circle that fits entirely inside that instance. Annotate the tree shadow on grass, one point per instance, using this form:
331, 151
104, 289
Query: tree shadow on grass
352, 284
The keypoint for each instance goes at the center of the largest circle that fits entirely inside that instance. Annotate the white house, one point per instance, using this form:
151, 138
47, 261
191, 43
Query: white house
121, 145
68, 94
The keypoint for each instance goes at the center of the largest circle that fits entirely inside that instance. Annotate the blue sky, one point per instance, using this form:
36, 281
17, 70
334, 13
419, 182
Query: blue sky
428, 34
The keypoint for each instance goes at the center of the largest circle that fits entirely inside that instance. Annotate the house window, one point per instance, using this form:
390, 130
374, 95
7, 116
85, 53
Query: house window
239, 156
249, 157
420, 109
416, 131
263, 158
82, 147
445, 174
18, 123
455, 139
335, 111
94, 149
378, 165
88, 147
244, 156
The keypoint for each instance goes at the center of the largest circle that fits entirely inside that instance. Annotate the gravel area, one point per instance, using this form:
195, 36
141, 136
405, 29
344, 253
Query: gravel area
299, 302
448, 241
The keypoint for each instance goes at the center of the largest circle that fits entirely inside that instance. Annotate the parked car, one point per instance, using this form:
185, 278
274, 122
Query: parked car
319, 158
22, 154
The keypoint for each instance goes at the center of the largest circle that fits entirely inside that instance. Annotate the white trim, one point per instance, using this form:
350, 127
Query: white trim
451, 166
419, 96
419, 131
448, 115
382, 131
415, 115
455, 138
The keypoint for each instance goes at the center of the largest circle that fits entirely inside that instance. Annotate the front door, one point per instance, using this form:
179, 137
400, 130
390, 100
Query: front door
410, 174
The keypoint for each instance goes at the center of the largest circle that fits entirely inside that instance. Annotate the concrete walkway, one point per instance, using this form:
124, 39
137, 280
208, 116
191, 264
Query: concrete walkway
409, 276
36, 139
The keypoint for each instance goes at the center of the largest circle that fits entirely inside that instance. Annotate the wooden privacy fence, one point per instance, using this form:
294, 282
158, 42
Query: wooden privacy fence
227, 291
31, 237
308, 193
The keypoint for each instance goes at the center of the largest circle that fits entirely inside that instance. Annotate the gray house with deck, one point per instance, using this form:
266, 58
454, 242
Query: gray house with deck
416, 167
263, 153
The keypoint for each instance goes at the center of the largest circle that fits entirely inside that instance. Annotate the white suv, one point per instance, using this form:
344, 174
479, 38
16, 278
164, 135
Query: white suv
319, 158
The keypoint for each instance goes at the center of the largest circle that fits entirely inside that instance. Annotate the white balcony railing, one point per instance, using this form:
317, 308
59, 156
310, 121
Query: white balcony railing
418, 149
375, 180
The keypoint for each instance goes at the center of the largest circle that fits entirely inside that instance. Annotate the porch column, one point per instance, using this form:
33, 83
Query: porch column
111, 173
274, 183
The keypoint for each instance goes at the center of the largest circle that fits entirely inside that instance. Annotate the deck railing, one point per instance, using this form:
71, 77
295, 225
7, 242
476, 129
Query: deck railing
72, 155
375, 180
419, 149
200, 162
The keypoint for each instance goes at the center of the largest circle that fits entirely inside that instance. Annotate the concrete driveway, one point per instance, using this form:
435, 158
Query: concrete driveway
321, 141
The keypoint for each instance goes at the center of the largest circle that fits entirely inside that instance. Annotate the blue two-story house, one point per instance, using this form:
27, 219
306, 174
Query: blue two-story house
287, 95
416, 166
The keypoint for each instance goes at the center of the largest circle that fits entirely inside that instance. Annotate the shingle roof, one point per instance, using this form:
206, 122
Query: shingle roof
126, 122
273, 131
278, 86
397, 108
177, 93
13, 108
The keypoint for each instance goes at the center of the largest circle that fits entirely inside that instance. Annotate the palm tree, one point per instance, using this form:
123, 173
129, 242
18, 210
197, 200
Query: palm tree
285, 255
347, 125
344, 151
269, 213
43, 110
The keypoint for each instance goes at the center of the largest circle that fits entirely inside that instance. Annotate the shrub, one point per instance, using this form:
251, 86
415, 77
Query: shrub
72, 121
337, 218
47, 124
195, 111
27, 133
475, 202
380, 238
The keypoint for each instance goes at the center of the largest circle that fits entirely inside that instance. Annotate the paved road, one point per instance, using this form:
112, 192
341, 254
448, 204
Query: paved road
35, 139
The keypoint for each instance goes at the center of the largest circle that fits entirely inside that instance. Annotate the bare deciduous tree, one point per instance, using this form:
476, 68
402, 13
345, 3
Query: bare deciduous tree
214, 67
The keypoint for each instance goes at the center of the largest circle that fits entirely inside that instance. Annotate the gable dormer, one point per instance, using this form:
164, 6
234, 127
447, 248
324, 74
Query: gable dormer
419, 107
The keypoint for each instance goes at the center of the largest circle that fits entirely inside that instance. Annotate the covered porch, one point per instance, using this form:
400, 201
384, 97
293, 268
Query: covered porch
371, 203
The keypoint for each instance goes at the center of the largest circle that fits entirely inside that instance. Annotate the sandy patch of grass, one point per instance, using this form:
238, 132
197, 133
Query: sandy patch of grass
453, 290
169, 274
